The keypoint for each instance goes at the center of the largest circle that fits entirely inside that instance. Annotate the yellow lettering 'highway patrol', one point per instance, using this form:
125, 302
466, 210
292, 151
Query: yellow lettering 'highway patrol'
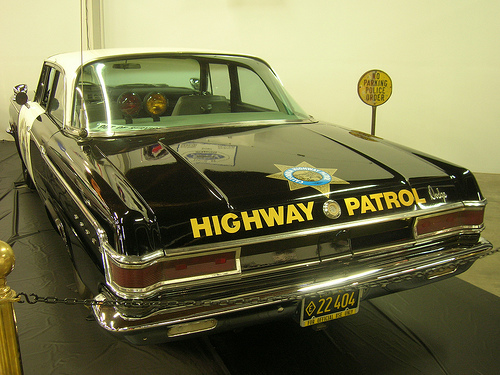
282, 215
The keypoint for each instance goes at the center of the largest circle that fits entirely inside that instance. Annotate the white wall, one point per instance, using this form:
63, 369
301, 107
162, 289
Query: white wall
441, 55
30, 31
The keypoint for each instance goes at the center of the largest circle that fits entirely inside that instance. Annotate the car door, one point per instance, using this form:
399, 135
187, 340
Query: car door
39, 120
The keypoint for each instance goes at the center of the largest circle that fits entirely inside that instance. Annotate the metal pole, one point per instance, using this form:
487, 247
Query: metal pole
10, 355
374, 116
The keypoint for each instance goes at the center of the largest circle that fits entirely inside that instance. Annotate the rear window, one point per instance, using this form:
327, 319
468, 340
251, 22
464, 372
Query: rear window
158, 92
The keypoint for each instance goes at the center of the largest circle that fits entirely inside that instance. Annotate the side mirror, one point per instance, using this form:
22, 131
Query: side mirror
195, 83
54, 104
21, 94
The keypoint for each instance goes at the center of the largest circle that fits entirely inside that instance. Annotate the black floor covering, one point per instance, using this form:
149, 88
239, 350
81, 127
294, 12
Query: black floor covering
450, 327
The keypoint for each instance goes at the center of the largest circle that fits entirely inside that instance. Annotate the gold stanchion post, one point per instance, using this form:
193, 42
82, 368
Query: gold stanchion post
10, 356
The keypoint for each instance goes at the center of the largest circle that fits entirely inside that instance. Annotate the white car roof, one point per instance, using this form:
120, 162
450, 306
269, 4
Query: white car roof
72, 61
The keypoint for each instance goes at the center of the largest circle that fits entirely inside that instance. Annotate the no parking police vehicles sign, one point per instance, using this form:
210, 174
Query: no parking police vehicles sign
374, 89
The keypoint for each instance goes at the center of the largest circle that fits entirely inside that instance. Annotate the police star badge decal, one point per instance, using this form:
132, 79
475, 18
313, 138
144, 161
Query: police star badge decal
305, 175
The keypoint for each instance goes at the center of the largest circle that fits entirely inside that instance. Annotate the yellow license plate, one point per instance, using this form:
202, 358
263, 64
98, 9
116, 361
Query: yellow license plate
317, 310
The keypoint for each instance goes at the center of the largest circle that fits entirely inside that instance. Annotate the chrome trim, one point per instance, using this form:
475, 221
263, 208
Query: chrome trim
359, 256
155, 130
193, 327
481, 203
291, 267
20, 88
74, 132
329, 212
439, 273
359, 276
42, 152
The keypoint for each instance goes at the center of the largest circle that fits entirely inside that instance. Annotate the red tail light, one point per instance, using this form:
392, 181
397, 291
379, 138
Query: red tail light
469, 218
175, 270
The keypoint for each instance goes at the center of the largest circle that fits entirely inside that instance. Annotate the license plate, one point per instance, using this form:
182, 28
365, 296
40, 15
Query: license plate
323, 309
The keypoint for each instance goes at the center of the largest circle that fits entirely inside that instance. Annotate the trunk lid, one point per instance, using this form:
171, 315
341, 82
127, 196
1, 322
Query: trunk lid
242, 183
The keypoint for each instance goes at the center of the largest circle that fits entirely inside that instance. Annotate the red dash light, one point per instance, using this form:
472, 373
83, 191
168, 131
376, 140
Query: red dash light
129, 103
451, 221
175, 270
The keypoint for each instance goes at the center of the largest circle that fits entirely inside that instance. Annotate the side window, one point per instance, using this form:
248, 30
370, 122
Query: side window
80, 118
47, 87
253, 90
42, 84
219, 80
49, 93
57, 102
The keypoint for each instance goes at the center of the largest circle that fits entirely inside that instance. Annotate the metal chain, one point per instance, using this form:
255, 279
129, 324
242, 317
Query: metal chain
162, 303
141, 303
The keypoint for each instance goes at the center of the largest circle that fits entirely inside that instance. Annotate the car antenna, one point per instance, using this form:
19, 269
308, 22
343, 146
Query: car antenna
83, 132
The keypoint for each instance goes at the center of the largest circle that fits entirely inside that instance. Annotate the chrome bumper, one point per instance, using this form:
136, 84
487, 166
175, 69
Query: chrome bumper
419, 269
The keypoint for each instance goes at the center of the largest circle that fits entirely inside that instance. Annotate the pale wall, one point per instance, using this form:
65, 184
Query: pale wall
30, 31
441, 55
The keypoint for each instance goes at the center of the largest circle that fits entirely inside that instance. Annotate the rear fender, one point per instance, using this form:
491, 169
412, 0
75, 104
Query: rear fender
88, 274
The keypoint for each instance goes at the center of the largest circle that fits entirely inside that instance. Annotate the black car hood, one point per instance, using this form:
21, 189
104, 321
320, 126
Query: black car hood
207, 187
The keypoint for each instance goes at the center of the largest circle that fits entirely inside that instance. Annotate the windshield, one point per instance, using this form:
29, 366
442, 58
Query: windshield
158, 92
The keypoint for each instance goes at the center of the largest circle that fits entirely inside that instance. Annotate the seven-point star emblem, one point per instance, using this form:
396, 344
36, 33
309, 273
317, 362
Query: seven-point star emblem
305, 175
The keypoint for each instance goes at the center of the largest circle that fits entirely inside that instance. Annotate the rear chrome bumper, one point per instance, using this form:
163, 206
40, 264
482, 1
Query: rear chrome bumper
187, 315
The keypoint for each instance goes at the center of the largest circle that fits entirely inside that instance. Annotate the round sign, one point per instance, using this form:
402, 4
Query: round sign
375, 87
307, 176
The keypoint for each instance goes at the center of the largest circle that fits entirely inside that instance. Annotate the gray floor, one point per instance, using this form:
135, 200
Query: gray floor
485, 273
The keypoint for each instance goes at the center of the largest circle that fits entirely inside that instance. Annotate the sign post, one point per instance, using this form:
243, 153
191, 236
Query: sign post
374, 89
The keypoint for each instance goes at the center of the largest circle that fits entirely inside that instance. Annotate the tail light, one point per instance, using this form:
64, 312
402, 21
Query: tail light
176, 270
466, 218
129, 103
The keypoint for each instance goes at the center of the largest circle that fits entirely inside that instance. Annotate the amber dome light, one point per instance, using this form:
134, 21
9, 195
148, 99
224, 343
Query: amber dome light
156, 104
